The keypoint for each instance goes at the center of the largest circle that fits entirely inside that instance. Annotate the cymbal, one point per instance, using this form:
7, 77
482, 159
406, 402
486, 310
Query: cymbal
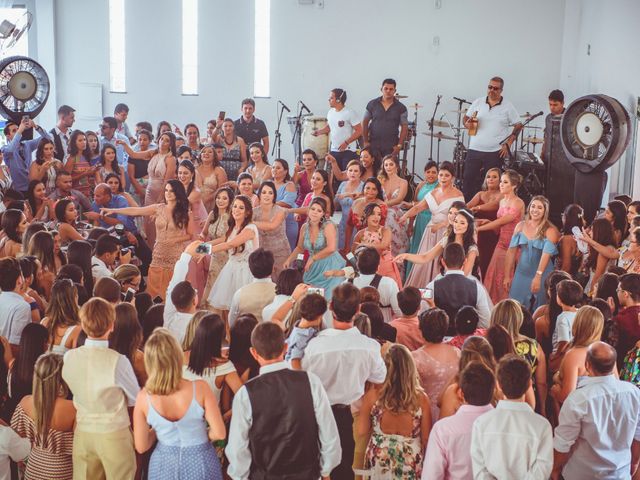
397, 95
533, 140
439, 136
415, 106
438, 123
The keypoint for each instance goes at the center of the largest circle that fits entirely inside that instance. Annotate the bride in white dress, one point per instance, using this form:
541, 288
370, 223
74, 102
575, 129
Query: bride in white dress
439, 202
240, 242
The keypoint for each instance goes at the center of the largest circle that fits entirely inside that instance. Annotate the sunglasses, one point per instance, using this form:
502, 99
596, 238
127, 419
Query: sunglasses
491, 87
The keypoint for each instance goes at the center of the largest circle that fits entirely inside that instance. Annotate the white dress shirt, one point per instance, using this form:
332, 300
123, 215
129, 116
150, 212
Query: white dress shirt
174, 321
124, 376
15, 314
344, 360
388, 290
234, 308
493, 124
99, 269
237, 449
272, 308
483, 304
511, 442
598, 422
13, 447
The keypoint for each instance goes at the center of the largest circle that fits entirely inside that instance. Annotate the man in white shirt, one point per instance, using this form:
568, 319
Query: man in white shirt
343, 127
296, 439
598, 432
106, 254
512, 441
494, 116
12, 447
258, 294
344, 360
15, 313
181, 298
368, 262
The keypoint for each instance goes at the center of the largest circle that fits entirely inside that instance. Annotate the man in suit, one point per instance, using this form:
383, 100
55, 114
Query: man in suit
61, 133
258, 294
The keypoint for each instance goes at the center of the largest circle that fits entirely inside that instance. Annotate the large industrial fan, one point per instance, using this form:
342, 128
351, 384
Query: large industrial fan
595, 132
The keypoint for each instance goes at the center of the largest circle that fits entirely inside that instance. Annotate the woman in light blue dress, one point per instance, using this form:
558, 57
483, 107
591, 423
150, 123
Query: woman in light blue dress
423, 218
286, 197
178, 412
535, 237
319, 241
348, 191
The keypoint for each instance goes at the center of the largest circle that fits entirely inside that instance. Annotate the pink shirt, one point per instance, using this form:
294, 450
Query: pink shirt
448, 454
409, 333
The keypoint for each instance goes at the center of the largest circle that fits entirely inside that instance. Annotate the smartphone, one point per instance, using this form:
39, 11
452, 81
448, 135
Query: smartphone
427, 293
129, 295
299, 263
204, 248
221, 115
318, 290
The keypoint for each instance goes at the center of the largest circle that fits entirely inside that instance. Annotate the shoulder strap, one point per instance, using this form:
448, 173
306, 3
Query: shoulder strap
375, 283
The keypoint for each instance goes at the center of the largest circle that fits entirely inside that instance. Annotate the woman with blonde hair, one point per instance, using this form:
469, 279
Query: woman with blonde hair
508, 314
175, 412
128, 276
587, 328
62, 317
47, 419
402, 408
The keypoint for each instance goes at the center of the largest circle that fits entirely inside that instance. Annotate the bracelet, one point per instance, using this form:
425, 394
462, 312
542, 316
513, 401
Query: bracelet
291, 299
538, 272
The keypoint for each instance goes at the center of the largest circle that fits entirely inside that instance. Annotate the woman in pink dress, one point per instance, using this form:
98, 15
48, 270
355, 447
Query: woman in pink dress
375, 235
319, 188
394, 190
162, 167
439, 201
77, 163
509, 214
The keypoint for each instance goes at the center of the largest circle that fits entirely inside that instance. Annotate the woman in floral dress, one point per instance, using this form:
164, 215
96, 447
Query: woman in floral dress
400, 398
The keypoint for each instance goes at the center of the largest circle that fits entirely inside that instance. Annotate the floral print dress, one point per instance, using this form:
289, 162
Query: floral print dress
394, 456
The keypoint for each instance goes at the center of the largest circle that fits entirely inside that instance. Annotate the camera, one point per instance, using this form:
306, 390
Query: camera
204, 248
118, 231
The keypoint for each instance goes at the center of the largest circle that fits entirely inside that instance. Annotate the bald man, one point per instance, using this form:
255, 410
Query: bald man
103, 198
598, 432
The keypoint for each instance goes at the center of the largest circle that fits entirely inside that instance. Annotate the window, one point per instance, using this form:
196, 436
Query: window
22, 45
116, 46
262, 48
189, 47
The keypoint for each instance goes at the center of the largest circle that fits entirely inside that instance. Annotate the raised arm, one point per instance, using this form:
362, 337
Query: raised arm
132, 211
271, 225
146, 155
419, 258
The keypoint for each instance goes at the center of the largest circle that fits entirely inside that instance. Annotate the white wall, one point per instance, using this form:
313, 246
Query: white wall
599, 55
352, 44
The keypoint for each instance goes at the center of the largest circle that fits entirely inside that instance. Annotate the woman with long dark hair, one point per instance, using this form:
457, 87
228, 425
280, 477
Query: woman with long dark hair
62, 317
319, 188
484, 205
79, 253
174, 230
212, 174
371, 193
126, 338
41, 205
616, 213
240, 347
302, 173
78, 163
187, 176
67, 218
204, 361
285, 197
216, 227
259, 169
45, 166
241, 239
108, 164
14, 224
117, 188
602, 251
41, 246
570, 258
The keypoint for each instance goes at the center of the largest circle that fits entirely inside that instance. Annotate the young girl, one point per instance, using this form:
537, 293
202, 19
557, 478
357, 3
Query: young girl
108, 164
379, 237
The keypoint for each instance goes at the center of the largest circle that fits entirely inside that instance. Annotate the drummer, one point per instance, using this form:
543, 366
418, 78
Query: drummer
343, 127
250, 128
382, 118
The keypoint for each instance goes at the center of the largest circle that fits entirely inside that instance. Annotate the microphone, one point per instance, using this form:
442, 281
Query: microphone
536, 115
462, 100
284, 106
304, 107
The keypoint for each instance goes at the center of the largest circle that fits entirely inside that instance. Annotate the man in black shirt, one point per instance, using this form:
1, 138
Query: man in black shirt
250, 128
381, 120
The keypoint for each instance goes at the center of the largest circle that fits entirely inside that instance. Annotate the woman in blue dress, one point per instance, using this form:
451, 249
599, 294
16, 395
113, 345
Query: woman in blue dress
178, 412
286, 197
423, 218
319, 241
348, 191
536, 238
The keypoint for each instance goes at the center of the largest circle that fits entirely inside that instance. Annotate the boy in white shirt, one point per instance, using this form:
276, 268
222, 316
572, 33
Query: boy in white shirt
569, 295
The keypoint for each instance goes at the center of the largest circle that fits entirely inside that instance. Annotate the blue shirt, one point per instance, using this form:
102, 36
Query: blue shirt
120, 153
18, 156
117, 201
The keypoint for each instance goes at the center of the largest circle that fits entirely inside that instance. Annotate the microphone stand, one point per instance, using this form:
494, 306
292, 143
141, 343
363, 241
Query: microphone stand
524, 124
433, 117
278, 135
296, 141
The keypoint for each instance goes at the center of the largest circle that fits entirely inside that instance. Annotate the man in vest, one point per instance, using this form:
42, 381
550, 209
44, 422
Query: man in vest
455, 290
296, 439
258, 294
368, 263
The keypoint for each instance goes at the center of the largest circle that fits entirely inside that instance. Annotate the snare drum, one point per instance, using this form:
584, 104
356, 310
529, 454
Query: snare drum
319, 144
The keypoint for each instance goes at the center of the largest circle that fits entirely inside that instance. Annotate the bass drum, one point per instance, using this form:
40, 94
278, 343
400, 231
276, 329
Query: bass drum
319, 144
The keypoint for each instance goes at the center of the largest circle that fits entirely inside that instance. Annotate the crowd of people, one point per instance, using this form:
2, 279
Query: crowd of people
181, 306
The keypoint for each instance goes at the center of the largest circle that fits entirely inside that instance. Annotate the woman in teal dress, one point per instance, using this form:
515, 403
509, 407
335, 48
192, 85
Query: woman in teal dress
319, 242
423, 218
536, 238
